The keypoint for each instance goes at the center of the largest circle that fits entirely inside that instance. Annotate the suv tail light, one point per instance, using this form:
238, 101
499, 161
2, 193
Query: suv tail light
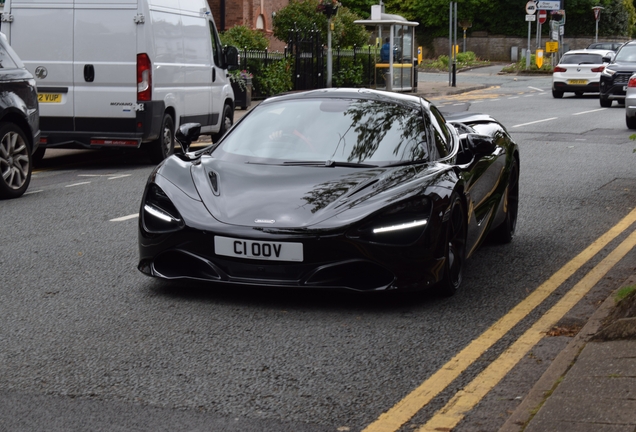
559, 69
632, 82
598, 69
144, 78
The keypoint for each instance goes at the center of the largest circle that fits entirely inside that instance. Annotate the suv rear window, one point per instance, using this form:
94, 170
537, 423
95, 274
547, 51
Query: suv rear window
582, 59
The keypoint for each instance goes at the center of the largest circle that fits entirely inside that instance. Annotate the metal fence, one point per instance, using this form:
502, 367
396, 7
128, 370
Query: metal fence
352, 67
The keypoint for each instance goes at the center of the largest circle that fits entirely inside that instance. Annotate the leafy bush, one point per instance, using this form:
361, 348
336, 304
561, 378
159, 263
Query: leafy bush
243, 37
274, 78
349, 75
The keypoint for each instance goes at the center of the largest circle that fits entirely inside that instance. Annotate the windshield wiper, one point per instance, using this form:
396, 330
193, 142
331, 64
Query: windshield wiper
406, 163
329, 164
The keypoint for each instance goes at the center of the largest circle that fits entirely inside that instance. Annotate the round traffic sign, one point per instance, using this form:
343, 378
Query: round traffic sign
531, 7
543, 16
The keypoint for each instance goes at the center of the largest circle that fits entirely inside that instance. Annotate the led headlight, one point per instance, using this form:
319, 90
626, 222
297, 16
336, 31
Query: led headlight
401, 224
159, 214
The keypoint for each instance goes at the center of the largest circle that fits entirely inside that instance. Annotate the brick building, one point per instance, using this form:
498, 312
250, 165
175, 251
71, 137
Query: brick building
256, 14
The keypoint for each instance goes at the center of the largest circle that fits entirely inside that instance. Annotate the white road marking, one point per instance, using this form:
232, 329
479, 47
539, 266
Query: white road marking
535, 88
530, 95
514, 97
95, 175
33, 192
534, 122
77, 184
459, 104
587, 112
119, 176
125, 218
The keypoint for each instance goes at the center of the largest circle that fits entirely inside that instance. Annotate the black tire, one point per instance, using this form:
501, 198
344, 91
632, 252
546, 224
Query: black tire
505, 232
163, 147
38, 155
605, 103
631, 122
16, 163
226, 123
557, 94
454, 248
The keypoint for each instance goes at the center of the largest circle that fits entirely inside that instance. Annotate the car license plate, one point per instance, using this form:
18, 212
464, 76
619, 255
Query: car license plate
577, 82
50, 97
260, 250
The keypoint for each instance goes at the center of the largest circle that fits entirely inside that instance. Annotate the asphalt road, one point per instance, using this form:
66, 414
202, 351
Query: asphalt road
89, 343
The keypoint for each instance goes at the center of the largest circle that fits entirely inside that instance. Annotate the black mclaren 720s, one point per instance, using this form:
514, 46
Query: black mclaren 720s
352, 189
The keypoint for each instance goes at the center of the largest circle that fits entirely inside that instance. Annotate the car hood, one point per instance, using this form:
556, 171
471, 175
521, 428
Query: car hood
288, 196
622, 66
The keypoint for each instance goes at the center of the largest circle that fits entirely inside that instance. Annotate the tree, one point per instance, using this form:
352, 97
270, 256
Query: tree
304, 15
242, 37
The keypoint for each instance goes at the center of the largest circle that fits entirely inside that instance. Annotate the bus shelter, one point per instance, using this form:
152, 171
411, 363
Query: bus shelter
395, 65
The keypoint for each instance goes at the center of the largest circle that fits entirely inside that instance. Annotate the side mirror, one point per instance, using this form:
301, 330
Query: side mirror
480, 144
187, 133
231, 56
607, 59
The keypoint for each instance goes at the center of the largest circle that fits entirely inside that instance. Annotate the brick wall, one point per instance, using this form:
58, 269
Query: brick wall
246, 12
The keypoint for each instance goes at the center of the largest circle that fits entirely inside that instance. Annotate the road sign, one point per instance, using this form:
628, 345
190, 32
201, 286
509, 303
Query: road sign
543, 16
551, 47
538, 58
531, 8
549, 4
531, 17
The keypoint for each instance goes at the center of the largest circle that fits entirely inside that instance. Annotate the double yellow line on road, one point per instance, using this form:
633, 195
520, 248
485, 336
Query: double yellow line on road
465, 400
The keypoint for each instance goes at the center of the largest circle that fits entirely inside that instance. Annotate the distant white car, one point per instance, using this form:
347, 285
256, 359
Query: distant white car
630, 103
579, 71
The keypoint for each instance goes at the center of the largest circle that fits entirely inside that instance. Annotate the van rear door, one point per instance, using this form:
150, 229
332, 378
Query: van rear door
105, 65
43, 38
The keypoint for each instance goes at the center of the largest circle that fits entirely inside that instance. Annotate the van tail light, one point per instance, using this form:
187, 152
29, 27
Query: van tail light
632, 82
598, 69
144, 78
559, 69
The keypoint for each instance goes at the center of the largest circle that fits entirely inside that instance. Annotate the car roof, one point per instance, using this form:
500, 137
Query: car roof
353, 93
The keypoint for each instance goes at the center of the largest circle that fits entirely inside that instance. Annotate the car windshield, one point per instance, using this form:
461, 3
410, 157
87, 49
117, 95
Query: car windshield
581, 59
328, 132
626, 54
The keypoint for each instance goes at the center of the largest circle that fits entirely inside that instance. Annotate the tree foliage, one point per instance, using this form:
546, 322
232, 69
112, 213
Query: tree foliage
242, 37
304, 15
507, 17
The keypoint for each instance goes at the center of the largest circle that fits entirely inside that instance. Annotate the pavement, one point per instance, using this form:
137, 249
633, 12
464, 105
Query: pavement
591, 384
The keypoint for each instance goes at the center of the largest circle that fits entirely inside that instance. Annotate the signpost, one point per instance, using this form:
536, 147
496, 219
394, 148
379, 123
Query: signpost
531, 9
597, 18
543, 16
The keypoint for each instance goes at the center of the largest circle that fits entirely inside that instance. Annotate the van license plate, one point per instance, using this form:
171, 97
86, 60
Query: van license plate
50, 97
259, 250
577, 82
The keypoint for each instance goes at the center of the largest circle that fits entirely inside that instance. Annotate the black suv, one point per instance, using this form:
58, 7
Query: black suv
616, 75
19, 123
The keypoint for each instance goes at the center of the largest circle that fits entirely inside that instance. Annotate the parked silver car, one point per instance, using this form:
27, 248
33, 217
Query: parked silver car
630, 103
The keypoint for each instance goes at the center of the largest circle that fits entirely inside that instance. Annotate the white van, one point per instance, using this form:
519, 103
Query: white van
122, 73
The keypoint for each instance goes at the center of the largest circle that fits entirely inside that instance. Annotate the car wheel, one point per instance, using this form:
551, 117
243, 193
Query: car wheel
631, 122
506, 231
578, 94
455, 248
163, 147
226, 123
557, 94
605, 103
16, 163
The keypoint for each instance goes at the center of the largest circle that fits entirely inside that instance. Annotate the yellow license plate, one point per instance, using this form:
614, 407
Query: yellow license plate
50, 97
577, 82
